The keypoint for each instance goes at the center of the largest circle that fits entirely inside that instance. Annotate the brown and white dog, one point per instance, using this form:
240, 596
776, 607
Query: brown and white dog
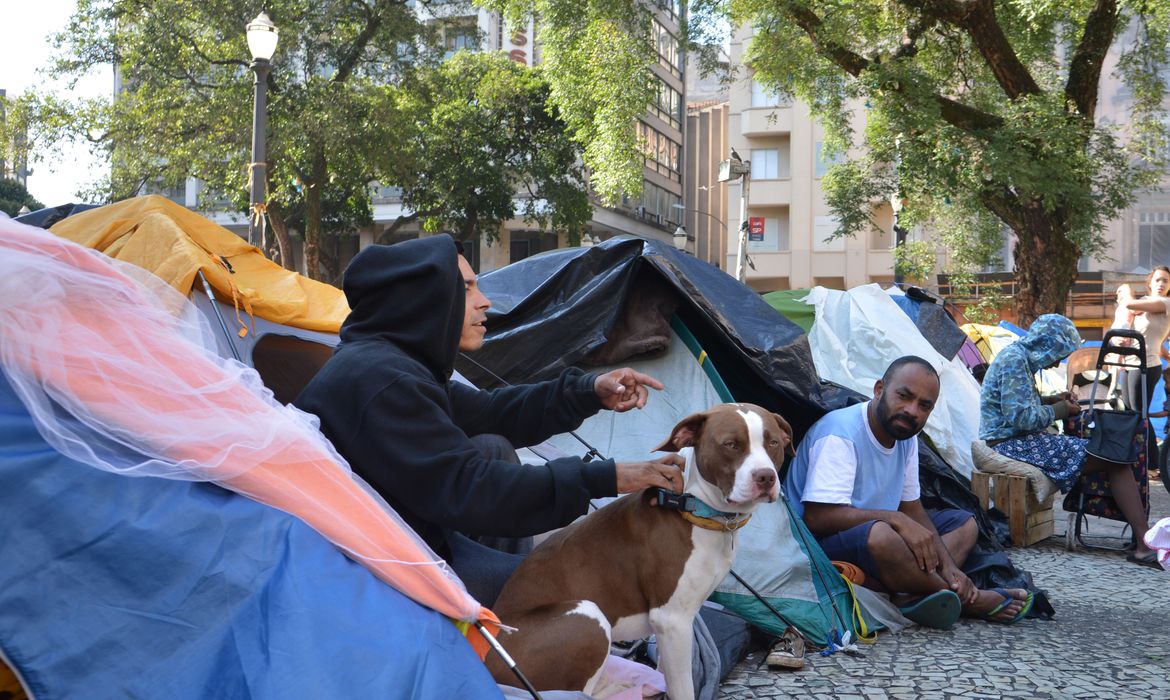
631, 569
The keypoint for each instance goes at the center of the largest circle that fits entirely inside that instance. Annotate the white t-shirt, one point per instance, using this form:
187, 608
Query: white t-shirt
832, 467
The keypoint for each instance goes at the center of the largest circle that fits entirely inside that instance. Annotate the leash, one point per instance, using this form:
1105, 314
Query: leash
592, 452
668, 499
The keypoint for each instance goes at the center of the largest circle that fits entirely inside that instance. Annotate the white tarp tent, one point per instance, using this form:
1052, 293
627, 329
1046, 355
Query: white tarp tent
858, 333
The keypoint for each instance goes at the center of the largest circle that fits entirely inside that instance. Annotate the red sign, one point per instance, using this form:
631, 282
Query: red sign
755, 228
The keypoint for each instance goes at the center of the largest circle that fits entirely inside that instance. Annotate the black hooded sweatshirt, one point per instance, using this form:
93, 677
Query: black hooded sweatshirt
386, 402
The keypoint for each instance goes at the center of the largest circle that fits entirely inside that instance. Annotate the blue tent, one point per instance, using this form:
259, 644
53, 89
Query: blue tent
118, 587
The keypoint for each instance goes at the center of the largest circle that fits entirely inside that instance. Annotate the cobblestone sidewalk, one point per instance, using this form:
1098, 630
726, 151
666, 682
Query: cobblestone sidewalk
1110, 639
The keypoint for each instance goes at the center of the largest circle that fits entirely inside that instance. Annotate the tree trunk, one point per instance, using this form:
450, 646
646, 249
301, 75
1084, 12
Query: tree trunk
313, 192
284, 244
330, 265
1046, 264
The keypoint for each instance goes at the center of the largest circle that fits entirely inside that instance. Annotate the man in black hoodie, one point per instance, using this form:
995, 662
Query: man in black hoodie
387, 403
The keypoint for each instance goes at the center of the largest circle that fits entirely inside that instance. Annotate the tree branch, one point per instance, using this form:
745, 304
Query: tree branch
849, 61
954, 112
908, 47
401, 221
1084, 71
977, 18
347, 64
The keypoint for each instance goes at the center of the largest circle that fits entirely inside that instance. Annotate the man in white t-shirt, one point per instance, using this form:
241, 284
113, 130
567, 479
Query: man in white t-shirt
855, 482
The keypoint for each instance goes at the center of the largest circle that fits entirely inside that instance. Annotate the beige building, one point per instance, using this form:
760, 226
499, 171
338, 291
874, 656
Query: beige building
788, 218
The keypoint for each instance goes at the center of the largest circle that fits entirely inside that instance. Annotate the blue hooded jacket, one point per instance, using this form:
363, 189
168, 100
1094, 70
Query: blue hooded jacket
1010, 404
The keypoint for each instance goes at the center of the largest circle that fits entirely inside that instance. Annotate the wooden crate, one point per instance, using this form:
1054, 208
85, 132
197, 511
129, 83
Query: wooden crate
1029, 520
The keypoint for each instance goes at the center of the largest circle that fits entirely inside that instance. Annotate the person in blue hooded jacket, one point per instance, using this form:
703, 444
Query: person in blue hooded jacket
387, 402
1014, 418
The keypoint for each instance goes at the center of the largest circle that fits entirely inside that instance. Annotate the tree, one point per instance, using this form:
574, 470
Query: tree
13, 196
482, 131
597, 56
337, 121
976, 111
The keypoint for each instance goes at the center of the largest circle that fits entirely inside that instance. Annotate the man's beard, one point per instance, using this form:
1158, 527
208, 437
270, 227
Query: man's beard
894, 425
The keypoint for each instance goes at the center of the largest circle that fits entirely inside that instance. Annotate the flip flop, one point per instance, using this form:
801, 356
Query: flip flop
1008, 599
1150, 560
939, 610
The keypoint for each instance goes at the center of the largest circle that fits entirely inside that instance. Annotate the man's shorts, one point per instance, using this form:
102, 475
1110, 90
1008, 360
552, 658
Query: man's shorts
852, 545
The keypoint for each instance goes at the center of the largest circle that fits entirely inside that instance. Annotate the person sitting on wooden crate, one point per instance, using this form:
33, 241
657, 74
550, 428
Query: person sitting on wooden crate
1013, 418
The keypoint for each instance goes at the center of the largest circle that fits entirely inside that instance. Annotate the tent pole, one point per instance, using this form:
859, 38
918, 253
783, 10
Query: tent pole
219, 316
591, 454
507, 659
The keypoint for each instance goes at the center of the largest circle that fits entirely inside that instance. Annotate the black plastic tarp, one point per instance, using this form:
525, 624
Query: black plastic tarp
551, 310
44, 218
932, 320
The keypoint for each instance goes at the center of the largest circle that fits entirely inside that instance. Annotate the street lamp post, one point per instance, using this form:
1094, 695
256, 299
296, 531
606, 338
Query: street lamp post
680, 241
732, 169
262, 37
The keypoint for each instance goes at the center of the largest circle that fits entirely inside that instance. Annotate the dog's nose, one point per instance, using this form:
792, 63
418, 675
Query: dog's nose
764, 478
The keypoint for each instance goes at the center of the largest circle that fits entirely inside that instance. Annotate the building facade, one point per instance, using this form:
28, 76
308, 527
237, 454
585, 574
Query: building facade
789, 222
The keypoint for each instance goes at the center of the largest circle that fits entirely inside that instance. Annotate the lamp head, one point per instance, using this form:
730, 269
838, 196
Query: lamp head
262, 37
680, 238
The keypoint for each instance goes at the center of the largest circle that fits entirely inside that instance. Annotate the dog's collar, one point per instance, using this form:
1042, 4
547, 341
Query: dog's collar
708, 518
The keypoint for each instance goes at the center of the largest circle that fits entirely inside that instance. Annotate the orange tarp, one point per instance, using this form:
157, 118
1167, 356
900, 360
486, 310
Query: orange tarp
174, 243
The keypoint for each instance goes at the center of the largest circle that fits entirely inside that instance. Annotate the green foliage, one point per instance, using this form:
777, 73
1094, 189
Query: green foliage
356, 95
597, 56
915, 261
13, 196
481, 130
989, 107
982, 108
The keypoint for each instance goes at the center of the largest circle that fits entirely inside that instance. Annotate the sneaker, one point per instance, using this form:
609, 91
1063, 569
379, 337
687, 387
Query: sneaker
788, 653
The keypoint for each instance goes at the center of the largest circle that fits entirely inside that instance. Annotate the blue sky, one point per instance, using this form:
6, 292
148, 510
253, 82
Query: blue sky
24, 51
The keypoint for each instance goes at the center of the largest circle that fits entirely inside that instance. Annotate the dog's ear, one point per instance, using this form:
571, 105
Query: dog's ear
684, 433
789, 449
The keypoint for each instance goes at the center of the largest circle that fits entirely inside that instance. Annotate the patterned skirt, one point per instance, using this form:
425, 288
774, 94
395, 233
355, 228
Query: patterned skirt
1060, 457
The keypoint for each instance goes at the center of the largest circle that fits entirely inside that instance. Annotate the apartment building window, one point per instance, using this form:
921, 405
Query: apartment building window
825, 161
775, 236
668, 104
381, 194
673, 8
662, 152
666, 44
526, 243
177, 192
658, 205
823, 229
1153, 239
461, 33
766, 164
763, 97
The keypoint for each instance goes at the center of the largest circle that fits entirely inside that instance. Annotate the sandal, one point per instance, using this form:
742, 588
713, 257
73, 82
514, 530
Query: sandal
1008, 599
1150, 560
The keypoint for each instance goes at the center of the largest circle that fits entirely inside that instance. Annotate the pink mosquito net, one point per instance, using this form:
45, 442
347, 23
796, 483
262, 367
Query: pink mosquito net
119, 372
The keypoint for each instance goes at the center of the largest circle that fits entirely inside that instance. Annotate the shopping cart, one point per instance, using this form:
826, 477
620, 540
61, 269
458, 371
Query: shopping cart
1116, 435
